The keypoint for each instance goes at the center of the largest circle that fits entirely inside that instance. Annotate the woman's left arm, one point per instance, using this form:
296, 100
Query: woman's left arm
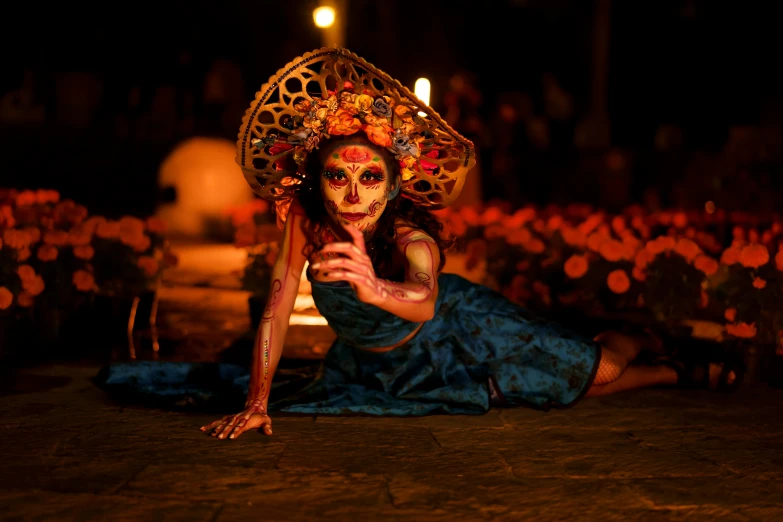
414, 299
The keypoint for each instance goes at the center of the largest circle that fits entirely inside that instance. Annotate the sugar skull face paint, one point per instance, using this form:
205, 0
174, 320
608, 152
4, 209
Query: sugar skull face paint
355, 186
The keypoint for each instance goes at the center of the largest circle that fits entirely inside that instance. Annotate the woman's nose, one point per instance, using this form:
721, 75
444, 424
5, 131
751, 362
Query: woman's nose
353, 196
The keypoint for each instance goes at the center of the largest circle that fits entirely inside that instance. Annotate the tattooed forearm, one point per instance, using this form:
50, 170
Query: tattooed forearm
410, 292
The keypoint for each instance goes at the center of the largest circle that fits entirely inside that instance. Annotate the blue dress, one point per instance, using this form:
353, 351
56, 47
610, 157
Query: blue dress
479, 350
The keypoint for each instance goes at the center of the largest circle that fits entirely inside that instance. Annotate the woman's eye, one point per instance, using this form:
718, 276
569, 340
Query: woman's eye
369, 176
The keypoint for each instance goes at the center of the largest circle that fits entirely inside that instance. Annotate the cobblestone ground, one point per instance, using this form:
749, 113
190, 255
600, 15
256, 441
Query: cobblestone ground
71, 453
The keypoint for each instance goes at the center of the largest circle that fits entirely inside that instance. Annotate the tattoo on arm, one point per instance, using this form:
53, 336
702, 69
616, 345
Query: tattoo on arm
423, 259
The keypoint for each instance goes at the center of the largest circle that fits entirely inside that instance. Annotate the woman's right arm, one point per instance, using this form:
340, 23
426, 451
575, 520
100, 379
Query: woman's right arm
268, 346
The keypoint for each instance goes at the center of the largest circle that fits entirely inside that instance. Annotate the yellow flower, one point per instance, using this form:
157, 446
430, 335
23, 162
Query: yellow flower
363, 103
322, 113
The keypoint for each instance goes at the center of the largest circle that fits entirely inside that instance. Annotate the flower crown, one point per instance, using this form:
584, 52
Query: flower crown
331, 92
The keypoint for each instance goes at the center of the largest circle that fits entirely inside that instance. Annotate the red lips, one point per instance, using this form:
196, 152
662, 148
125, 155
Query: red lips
352, 216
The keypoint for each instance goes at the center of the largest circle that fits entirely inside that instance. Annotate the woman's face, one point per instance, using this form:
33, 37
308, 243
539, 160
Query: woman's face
355, 186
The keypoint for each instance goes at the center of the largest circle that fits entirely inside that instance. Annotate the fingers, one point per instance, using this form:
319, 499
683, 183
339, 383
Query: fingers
267, 425
348, 249
233, 426
228, 427
357, 236
344, 264
212, 425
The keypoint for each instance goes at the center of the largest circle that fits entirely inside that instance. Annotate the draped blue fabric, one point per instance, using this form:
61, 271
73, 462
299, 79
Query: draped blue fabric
479, 349
355, 323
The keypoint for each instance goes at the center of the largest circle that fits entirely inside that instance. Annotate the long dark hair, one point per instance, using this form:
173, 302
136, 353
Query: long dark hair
380, 246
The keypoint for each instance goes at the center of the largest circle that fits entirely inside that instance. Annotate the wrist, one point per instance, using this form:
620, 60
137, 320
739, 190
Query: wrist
256, 404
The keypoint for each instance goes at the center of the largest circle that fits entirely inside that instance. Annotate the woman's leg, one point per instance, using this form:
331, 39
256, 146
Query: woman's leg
635, 377
615, 375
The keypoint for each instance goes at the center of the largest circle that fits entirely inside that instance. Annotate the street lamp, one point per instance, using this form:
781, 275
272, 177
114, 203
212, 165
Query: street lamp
324, 16
422, 91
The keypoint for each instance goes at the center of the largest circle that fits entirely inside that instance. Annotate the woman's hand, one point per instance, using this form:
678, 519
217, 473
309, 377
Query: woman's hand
232, 426
356, 268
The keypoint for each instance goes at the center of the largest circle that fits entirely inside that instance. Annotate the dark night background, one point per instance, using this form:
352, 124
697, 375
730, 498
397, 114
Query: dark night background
94, 97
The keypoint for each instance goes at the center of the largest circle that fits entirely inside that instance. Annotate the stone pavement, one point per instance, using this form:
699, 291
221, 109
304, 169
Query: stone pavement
70, 453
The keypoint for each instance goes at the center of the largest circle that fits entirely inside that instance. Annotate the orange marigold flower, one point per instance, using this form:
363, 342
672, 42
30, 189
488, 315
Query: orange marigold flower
680, 220
79, 235
494, 231
738, 232
34, 285
754, 256
33, 234
149, 265
655, 246
779, 260
47, 252
618, 224
157, 226
492, 216
705, 299
15, 238
590, 223
730, 314
470, 215
56, 237
343, 122
742, 330
759, 283
85, 252
535, 246
706, 264
131, 226
44, 196
687, 249
594, 241
25, 273
618, 281
380, 135
23, 254
612, 250
576, 266
26, 198
107, 229
141, 243
730, 256
573, 237
555, 222
83, 281
643, 258
638, 274
25, 300
6, 298
519, 237
753, 236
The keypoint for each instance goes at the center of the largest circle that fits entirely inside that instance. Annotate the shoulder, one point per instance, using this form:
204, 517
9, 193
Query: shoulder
409, 233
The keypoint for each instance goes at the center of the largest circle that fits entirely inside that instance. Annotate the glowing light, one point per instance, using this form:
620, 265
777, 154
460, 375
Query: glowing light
709, 207
323, 16
422, 92
307, 320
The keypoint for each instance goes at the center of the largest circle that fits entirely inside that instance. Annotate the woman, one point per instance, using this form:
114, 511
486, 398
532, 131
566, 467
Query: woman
356, 162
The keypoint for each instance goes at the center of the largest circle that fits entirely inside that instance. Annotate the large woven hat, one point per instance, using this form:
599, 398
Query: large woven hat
331, 92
